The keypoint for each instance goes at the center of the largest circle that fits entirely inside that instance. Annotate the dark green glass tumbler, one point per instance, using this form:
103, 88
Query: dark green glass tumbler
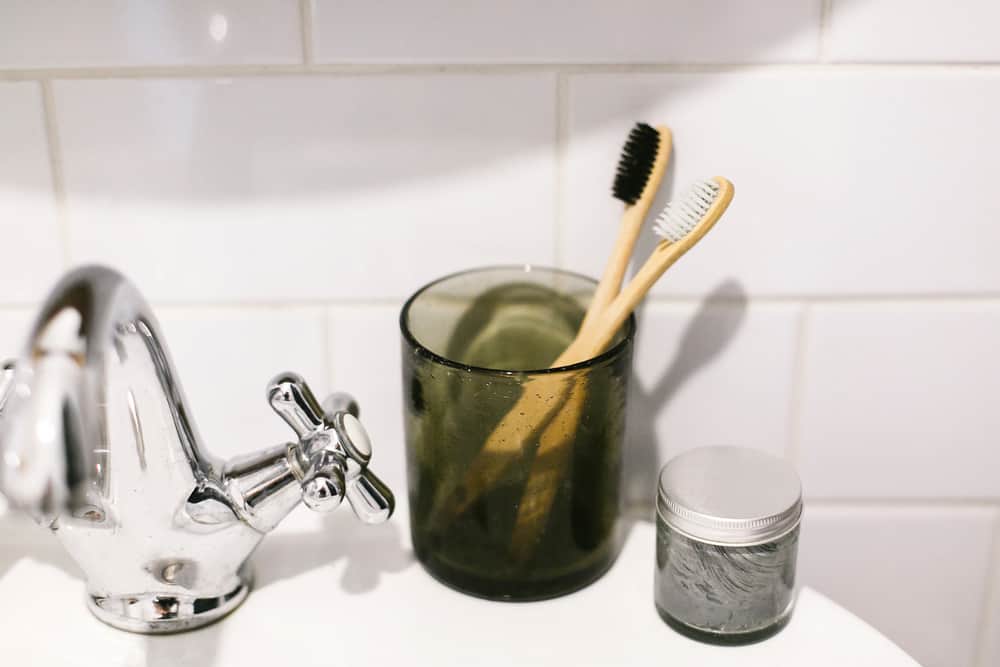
514, 468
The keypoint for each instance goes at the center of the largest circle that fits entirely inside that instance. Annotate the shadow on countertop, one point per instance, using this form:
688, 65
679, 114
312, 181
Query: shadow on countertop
370, 552
21, 538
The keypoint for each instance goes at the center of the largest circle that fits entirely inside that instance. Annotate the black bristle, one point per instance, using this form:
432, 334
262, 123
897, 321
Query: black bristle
636, 163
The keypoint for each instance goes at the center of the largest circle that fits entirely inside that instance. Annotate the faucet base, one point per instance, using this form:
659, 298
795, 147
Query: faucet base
153, 613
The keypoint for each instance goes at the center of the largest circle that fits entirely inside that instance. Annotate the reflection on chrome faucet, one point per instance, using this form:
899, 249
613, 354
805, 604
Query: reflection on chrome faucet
98, 444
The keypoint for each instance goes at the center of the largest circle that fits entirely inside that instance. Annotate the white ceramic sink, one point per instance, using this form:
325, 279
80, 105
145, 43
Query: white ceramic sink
353, 595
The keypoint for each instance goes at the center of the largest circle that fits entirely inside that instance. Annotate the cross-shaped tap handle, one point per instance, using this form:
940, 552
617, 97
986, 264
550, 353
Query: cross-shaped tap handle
331, 457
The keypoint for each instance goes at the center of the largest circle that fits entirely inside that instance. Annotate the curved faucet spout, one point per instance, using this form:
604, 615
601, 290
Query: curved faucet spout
94, 352
97, 442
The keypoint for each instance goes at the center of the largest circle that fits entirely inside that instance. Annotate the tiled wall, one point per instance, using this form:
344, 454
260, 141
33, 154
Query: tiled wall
278, 176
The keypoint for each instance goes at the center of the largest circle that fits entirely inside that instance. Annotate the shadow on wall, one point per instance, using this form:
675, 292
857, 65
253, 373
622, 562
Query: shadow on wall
705, 337
358, 156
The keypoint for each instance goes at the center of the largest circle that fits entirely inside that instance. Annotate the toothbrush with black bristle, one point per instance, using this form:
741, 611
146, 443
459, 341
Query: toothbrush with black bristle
641, 167
640, 170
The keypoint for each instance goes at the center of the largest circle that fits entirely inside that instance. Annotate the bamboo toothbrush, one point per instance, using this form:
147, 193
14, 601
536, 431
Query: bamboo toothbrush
681, 224
643, 162
640, 170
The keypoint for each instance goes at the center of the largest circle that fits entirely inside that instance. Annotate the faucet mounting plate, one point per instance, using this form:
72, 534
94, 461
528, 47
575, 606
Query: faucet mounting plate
153, 613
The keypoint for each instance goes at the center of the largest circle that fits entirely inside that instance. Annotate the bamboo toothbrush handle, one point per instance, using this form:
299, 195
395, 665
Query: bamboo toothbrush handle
662, 258
539, 402
546, 470
614, 272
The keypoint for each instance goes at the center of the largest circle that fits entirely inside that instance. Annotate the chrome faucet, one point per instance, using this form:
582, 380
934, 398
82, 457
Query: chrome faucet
98, 444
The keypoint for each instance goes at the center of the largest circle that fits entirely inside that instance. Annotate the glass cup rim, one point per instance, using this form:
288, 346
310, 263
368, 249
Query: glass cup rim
612, 352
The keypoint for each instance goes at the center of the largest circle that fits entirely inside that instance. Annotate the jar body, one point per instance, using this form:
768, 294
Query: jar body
724, 594
467, 518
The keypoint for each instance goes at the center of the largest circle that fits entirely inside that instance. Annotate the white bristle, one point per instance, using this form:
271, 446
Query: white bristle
682, 215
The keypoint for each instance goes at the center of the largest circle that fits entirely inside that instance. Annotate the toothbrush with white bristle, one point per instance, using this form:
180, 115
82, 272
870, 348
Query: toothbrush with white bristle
682, 223
678, 218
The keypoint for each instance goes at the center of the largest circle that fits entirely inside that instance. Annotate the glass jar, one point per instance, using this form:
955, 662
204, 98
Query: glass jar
513, 467
727, 533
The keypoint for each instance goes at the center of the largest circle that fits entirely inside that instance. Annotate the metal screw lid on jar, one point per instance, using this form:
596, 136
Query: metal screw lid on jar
730, 496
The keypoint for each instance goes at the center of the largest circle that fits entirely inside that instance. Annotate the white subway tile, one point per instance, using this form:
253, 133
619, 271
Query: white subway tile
31, 256
14, 325
64, 33
990, 639
365, 358
900, 401
523, 31
846, 182
916, 574
308, 187
718, 374
914, 30
226, 357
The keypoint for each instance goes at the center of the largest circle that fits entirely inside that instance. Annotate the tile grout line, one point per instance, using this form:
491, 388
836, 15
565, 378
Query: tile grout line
990, 611
832, 299
306, 22
26, 309
560, 149
914, 502
825, 17
793, 432
327, 347
55, 167
278, 305
444, 68
653, 300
